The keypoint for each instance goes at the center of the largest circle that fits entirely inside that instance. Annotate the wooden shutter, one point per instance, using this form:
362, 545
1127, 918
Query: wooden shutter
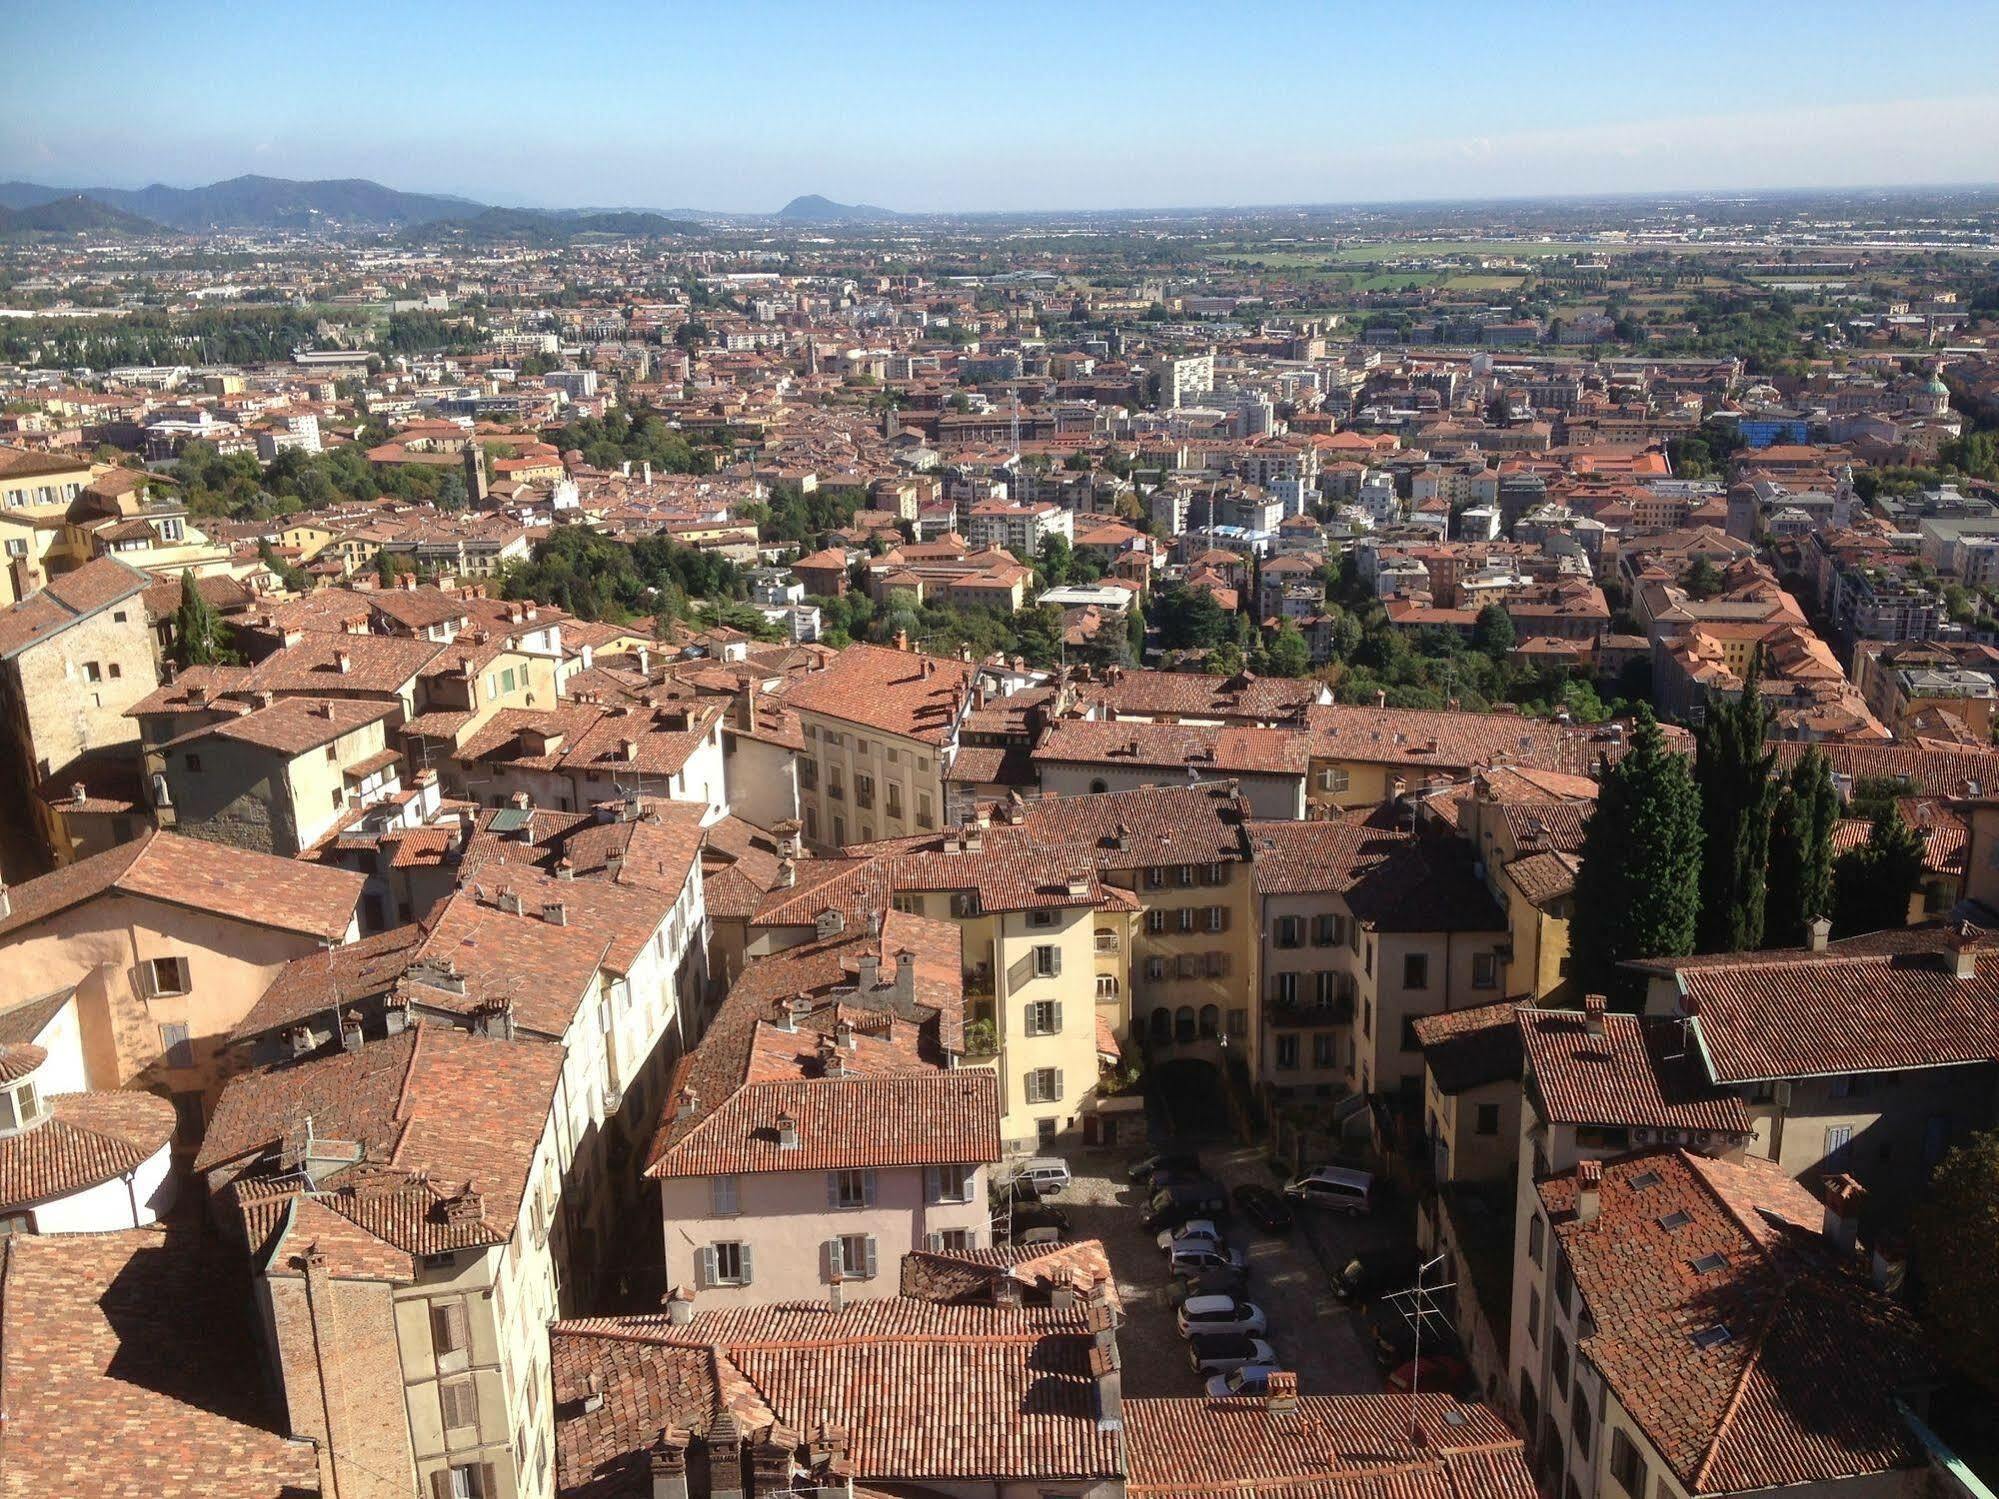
832, 1189
748, 1268
869, 1270
449, 1331
1054, 962
183, 975
461, 1403
440, 1484
933, 1241
147, 988
829, 1260
704, 1267
868, 1188
1055, 1010
1055, 1077
489, 1483
933, 1185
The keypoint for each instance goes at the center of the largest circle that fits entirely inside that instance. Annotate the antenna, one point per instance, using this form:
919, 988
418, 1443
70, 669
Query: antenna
1417, 1305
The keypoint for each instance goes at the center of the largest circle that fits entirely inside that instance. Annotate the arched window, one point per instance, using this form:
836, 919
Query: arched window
1162, 1024
1106, 986
1099, 785
1211, 1022
1183, 1024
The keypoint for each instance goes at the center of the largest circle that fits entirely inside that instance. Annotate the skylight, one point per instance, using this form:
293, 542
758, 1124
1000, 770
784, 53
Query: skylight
1644, 1181
1675, 1221
1707, 1264
1711, 1337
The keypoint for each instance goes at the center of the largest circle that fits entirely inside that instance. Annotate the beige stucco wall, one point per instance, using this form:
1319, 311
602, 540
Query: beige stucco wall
917, 772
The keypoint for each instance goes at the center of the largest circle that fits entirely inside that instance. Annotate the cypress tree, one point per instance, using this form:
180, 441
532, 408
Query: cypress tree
1799, 886
1737, 798
197, 627
1871, 885
1638, 892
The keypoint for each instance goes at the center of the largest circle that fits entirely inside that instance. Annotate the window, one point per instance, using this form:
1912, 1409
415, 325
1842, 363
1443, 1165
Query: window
175, 1045
1674, 1221
1047, 961
851, 1256
1410, 1041
726, 1263
460, 1400
850, 1189
952, 1240
1711, 1337
1322, 1049
163, 976
1488, 1121
864, 791
1107, 986
1284, 988
465, 1481
450, 1332
1627, 1467
1579, 1420
1287, 1052
1534, 1315
1155, 920
92, 672
1327, 929
1041, 918
1044, 1018
1558, 1363
949, 1183
894, 793
1415, 970
724, 1196
1334, 778
1186, 921
116, 671
923, 818
1044, 1085
1565, 1282
1484, 970
1218, 918
1288, 931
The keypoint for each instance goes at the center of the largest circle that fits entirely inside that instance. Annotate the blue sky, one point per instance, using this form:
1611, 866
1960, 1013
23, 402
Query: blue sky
741, 106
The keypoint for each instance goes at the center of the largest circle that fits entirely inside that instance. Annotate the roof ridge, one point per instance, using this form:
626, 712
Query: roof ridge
400, 1115
1750, 1364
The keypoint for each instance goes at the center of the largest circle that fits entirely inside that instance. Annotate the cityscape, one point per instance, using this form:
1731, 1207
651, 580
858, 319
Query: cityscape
1141, 810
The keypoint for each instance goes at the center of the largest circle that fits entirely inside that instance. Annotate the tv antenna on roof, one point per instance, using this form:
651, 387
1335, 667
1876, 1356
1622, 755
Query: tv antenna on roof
1417, 1305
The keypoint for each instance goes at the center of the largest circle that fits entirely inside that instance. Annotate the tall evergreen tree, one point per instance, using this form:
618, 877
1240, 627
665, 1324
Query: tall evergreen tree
1134, 625
1737, 799
198, 630
1638, 893
1799, 886
1871, 885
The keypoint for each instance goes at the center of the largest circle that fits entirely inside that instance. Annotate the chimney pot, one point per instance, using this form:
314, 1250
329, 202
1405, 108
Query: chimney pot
680, 1306
1589, 1190
1281, 1393
1593, 1008
1843, 1197
1818, 933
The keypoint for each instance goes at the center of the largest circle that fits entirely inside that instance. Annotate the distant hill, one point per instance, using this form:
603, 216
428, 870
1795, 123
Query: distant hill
813, 209
260, 203
75, 214
534, 226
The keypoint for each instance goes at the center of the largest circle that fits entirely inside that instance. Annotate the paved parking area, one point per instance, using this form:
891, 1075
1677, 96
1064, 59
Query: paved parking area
1290, 1278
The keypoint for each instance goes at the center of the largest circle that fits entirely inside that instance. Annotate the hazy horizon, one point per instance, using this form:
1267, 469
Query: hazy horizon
1113, 107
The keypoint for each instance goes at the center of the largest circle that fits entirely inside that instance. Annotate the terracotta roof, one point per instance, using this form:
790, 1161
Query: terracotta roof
1639, 1073
293, 726
1801, 1389
1331, 1445
318, 983
24, 1021
376, 665
925, 1392
214, 878
87, 1138
1244, 697
129, 1370
1468, 1048
875, 687
1923, 770
1545, 877
1196, 747
67, 598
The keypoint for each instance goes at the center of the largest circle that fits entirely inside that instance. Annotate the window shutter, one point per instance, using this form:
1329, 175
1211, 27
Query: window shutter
869, 1272
1055, 1010
1055, 1077
704, 1267
1055, 961
868, 1188
832, 1189
933, 1186
440, 1484
744, 1256
933, 1241
489, 1483
147, 988
184, 979
829, 1260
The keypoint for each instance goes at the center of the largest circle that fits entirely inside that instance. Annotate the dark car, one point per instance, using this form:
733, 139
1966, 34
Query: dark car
1263, 1207
1163, 1168
1033, 1220
1376, 1272
1223, 1281
1172, 1206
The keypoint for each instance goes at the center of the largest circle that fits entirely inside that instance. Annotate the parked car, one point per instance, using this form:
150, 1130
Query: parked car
1180, 1165
1172, 1206
1225, 1352
1225, 1280
1192, 1229
1046, 1174
1339, 1189
1441, 1373
1263, 1207
1250, 1379
1376, 1272
1391, 1333
1201, 1255
1221, 1314
1048, 1223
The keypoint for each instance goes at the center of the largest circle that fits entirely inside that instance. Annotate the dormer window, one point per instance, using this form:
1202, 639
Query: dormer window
22, 1106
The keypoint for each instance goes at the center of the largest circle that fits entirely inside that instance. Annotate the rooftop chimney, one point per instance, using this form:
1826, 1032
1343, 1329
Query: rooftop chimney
666, 1461
343, 662
555, 913
1843, 1196
787, 1132
1818, 932
905, 975
869, 978
1102, 1320
680, 1306
1962, 940
836, 1292
1593, 1007
350, 1031
1589, 1190
843, 1035
1280, 1396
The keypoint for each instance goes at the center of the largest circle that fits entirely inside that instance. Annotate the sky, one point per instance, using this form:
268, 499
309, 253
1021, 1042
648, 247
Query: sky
1020, 105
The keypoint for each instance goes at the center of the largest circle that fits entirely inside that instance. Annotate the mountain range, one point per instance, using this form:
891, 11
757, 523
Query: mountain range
74, 214
259, 203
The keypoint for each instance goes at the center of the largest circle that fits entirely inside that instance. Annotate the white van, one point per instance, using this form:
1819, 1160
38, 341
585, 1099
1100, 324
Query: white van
1045, 1173
1334, 1187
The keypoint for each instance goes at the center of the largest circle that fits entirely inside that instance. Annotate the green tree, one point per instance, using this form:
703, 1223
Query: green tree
1732, 772
1954, 1238
451, 493
1798, 887
1702, 580
1134, 629
1638, 892
200, 637
1871, 885
1287, 654
1493, 631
